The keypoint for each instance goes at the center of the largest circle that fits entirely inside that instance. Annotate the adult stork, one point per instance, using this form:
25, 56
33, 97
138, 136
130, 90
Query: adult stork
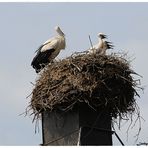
101, 46
49, 50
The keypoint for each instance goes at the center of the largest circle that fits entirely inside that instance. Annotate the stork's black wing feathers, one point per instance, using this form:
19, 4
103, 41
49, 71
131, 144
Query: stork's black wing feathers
109, 45
39, 49
41, 59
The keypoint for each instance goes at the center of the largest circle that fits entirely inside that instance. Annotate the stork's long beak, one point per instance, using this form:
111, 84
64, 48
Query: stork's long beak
103, 36
58, 29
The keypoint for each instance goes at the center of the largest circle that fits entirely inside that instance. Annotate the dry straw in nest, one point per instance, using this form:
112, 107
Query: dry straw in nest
100, 81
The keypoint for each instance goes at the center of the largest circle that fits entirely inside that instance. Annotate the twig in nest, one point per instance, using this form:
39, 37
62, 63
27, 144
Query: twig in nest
90, 42
76, 66
32, 83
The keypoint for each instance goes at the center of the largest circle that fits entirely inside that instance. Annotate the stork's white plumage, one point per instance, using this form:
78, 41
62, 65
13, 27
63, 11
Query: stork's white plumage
101, 46
49, 50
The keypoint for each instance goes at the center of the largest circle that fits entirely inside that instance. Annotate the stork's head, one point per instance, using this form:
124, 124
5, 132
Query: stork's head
102, 36
59, 31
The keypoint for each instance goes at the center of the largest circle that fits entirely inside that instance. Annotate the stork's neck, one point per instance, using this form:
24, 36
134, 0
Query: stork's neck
100, 40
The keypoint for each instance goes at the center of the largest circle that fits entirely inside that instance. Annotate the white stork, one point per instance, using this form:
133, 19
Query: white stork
101, 46
49, 50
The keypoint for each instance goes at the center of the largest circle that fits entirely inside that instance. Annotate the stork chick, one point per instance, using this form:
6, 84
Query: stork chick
101, 46
49, 50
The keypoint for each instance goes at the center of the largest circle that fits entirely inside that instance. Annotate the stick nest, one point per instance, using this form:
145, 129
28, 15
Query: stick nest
100, 81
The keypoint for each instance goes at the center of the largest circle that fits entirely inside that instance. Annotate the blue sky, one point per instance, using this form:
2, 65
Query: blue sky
24, 26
